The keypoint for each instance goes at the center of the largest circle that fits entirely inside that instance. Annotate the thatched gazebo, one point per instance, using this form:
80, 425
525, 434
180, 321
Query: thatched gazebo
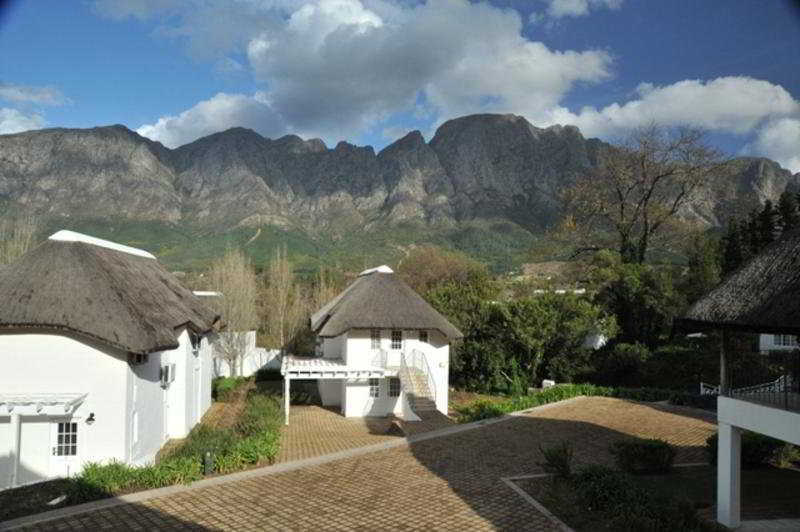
763, 296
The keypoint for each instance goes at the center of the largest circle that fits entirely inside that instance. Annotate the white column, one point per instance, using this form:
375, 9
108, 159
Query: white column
16, 429
286, 385
729, 473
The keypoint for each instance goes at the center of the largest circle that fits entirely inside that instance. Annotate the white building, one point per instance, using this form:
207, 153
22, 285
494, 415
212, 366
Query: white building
103, 356
383, 350
777, 342
761, 297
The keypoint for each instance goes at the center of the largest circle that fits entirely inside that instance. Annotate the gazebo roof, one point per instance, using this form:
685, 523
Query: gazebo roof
762, 296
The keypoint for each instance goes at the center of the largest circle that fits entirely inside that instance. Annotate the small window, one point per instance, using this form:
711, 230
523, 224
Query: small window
394, 387
67, 443
786, 340
397, 339
423, 336
374, 387
375, 336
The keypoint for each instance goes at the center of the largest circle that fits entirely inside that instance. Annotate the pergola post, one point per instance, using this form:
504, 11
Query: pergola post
16, 430
729, 473
286, 387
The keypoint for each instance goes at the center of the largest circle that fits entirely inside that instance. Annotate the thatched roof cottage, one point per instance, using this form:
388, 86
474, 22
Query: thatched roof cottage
104, 356
382, 350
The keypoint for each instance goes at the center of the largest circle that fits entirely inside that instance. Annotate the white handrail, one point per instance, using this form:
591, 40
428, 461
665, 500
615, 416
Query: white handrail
380, 358
419, 361
778, 385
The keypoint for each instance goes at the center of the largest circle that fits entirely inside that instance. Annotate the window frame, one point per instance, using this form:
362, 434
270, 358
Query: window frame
394, 388
396, 345
375, 338
66, 439
374, 388
784, 340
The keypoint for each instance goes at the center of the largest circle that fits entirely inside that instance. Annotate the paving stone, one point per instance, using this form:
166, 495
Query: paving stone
446, 483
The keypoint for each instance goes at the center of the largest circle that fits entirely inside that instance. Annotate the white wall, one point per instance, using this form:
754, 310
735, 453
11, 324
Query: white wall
359, 353
51, 363
766, 342
186, 404
145, 422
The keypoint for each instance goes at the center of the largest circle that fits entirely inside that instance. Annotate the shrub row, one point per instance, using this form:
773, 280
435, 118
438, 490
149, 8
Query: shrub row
484, 409
644, 456
254, 439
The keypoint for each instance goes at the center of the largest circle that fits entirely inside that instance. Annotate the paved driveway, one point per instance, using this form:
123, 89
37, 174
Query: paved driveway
447, 483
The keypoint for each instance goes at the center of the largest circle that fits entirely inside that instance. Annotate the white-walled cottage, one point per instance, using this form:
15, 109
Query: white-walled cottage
383, 350
103, 356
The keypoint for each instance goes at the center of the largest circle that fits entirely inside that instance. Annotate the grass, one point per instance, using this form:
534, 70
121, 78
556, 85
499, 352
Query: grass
253, 439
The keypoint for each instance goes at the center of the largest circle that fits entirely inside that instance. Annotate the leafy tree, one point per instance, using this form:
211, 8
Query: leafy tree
644, 300
427, 267
704, 269
640, 187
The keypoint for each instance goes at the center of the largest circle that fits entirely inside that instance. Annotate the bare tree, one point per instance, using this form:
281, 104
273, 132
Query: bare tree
641, 187
278, 295
233, 275
17, 236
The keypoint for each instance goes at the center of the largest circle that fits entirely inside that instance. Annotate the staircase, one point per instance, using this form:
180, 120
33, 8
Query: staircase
418, 385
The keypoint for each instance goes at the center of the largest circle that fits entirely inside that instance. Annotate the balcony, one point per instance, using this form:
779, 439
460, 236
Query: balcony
770, 379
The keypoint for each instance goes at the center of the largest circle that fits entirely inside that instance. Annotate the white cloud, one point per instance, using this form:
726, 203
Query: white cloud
730, 104
337, 68
575, 8
31, 95
13, 121
779, 140
218, 113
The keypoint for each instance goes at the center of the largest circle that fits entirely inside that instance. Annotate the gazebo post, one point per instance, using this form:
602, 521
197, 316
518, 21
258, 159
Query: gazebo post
729, 454
16, 430
286, 387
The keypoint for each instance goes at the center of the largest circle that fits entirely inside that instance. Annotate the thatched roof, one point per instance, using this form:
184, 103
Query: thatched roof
381, 300
125, 300
763, 296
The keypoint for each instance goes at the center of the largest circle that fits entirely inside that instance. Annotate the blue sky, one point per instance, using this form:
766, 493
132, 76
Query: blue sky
368, 71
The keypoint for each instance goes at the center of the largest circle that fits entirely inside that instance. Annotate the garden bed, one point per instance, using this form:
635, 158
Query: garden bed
767, 493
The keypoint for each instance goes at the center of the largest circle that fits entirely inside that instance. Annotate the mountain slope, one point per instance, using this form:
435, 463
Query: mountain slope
496, 173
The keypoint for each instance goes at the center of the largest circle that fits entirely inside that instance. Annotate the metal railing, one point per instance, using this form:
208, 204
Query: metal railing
771, 379
416, 359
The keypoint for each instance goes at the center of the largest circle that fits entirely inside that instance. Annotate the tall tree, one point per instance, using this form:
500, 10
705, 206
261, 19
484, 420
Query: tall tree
788, 212
640, 187
733, 253
768, 225
234, 276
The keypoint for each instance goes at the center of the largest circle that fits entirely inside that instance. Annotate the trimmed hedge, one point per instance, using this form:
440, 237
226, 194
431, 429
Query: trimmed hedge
484, 409
644, 456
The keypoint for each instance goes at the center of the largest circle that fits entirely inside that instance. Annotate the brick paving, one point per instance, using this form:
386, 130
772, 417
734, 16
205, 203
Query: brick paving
445, 483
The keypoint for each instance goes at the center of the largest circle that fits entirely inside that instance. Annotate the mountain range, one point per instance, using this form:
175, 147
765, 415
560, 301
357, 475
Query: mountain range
494, 172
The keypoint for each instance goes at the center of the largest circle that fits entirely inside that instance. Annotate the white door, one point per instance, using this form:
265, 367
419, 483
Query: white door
65, 442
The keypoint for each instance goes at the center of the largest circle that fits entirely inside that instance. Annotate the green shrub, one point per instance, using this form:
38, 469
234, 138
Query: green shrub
557, 459
757, 449
222, 388
261, 414
787, 455
203, 438
613, 498
644, 456
265, 374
